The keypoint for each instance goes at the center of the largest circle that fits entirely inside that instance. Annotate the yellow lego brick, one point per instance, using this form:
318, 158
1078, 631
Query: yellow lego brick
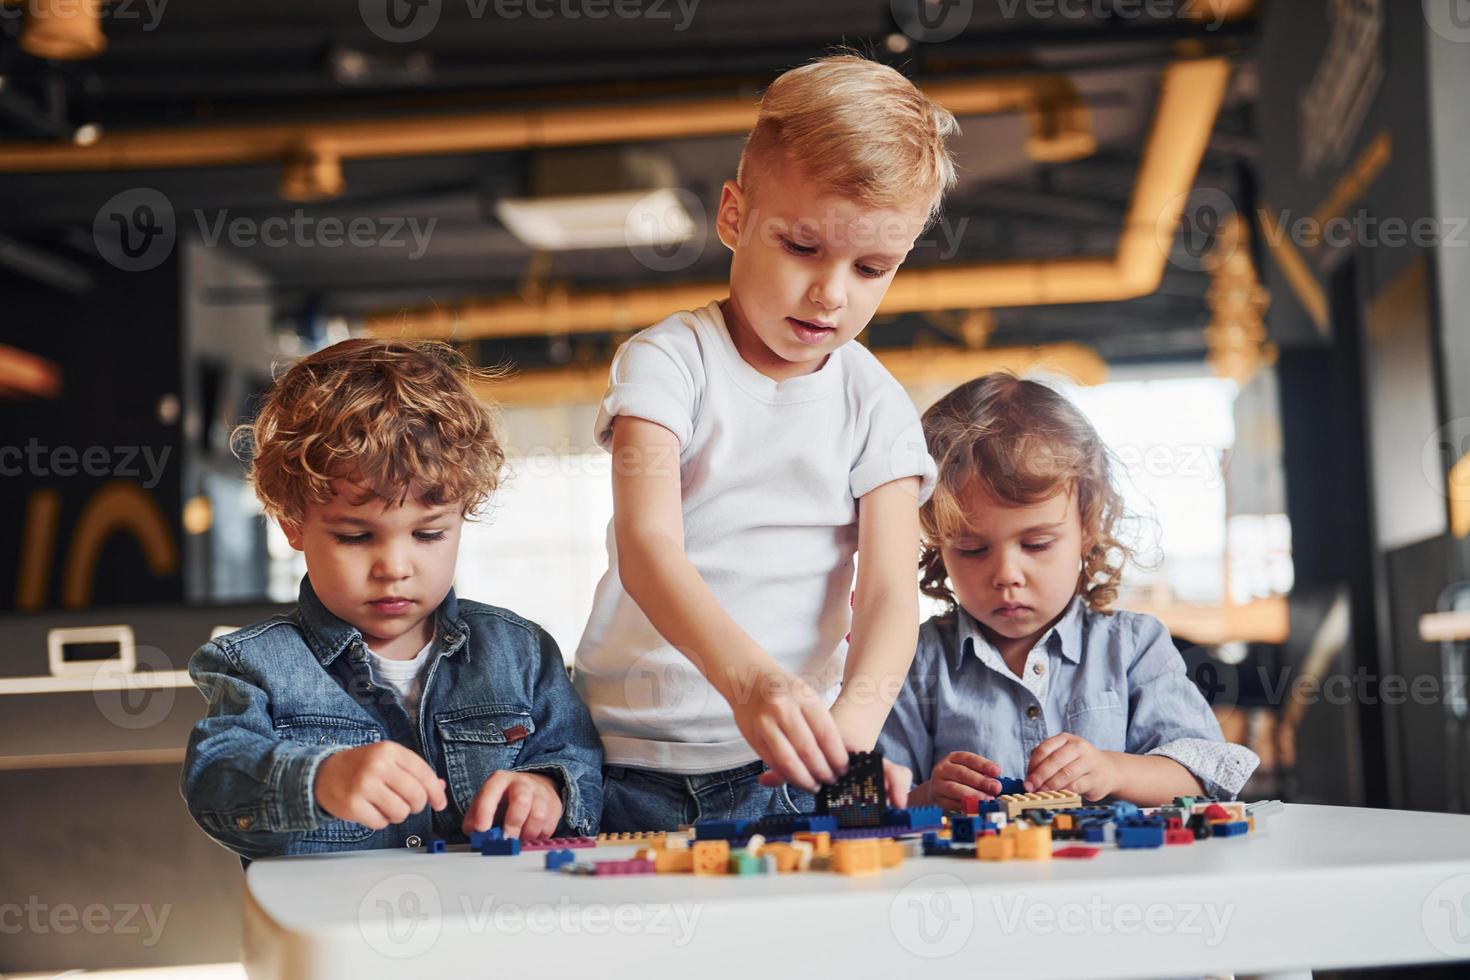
1034, 844
856, 857
1052, 799
996, 847
710, 857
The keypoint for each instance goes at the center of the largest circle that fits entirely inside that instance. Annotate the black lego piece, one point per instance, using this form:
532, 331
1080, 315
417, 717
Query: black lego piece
859, 798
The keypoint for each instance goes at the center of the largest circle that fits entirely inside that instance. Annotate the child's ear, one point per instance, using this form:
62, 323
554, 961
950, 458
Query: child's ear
731, 214
292, 531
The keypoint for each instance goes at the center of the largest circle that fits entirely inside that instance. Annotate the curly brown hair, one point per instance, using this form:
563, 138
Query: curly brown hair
396, 417
1021, 443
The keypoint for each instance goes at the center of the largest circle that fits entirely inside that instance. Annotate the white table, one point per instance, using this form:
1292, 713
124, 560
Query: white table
1321, 887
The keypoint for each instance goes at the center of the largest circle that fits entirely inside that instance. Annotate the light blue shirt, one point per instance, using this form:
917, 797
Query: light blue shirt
1115, 679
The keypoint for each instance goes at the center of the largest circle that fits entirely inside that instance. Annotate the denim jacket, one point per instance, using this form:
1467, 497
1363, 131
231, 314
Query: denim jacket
286, 693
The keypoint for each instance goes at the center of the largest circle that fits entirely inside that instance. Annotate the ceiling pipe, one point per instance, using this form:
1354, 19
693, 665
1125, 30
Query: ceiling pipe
1044, 99
1191, 93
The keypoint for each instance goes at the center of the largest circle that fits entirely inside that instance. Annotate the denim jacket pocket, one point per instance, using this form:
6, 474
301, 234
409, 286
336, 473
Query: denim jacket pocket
325, 731
1101, 717
479, 740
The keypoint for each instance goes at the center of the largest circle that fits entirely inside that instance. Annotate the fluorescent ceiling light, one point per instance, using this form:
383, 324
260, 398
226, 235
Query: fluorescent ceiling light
632, 218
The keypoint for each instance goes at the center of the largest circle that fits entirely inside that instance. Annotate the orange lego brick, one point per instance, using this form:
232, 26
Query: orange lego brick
1034, 844
821, 842
890, 853
1062, 821
788, 858
857, 857
710, 857
996, 847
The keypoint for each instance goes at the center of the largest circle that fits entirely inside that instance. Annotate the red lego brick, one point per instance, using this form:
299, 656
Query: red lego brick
1075, 852
1178, 835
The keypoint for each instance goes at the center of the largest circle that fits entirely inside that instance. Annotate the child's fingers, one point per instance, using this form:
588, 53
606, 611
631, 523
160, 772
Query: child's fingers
801, 731
780, 756
409, 787
517, 808
1045, 774
481, 814
964, 776
978, 763
1045, 749
829, 738
770, 778
424, 775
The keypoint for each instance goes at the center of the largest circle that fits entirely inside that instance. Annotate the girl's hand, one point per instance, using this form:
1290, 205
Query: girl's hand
1068, 762
958, 777
531, 801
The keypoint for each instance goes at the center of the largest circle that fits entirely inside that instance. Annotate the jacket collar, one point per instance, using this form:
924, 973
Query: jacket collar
1065, 636
328, 635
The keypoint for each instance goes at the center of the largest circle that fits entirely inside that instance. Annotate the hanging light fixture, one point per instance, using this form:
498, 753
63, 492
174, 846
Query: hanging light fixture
62, 30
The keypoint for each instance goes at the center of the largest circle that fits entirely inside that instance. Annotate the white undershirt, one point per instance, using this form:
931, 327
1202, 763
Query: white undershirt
404, 676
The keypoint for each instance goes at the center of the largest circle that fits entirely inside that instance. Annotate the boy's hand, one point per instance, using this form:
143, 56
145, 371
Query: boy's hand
1068, 762
377, 785
786, 723
531, 800
958, 777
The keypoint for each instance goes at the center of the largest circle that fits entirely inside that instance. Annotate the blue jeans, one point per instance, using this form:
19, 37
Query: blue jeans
643, 799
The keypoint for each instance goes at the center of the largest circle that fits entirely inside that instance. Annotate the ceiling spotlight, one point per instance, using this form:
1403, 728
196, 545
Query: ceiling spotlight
312, 173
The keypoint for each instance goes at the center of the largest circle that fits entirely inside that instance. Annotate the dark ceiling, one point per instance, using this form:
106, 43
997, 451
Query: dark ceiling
209, 61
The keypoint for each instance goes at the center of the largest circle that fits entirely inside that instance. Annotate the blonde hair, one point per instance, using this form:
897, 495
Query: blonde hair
859, 128
1021, 443
396, 417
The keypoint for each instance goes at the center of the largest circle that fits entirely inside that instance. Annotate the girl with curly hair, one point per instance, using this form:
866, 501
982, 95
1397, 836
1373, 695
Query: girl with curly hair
1029, 673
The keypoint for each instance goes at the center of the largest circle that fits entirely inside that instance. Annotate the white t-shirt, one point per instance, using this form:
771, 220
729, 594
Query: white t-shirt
771, 474
404, 676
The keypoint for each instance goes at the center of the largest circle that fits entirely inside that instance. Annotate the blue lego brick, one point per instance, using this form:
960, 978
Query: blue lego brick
988, 806
862, 833
964, 830
1009, 785
555, 859
479, 837
934, 845
1133, 834
1123, 808
504, 847
1231, 828
437, 845
721, 829
784, 824
915, 817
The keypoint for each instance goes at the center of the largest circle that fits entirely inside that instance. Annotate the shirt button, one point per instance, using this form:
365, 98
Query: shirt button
244, 823
413, 841
1038, 668
1033, 711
